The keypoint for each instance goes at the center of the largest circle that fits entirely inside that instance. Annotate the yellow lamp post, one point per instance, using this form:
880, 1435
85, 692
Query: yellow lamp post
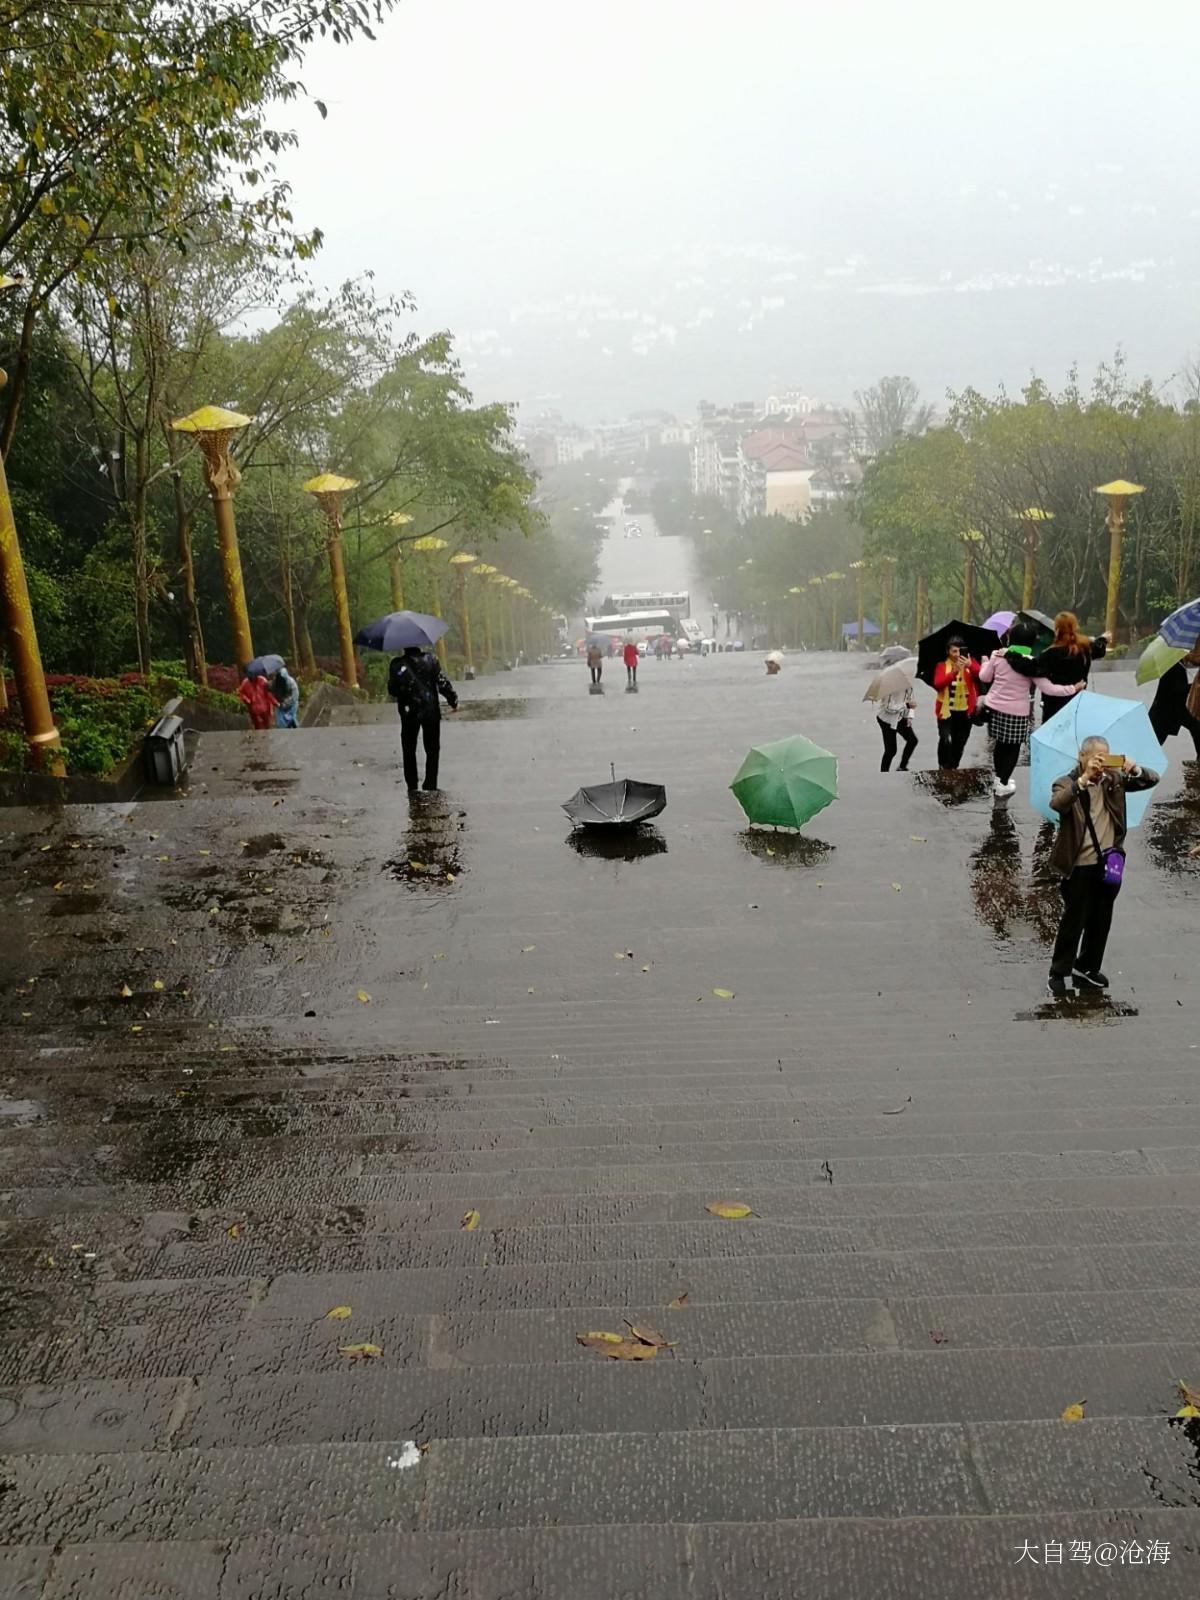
797, 623
429, 546
970, 539
888, 565
327, 490
398, 519
484, 570
1031, 520
919, 621
41, 735
814, 588
833, 581
460, 563
500, 583
859, 569
213, 428
1118, 494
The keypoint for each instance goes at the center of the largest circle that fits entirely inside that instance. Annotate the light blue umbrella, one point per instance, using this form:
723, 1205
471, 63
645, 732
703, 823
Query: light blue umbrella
1182, 627
1054, 748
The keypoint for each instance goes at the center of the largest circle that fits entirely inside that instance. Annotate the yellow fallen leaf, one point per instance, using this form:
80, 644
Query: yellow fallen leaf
137, 1028
470, 1221
723, 994
159, 984
234, 1230
649, 1336
364, 997
359, 1352
439, 955
1188, 1396
679, 1302
59, 886
729, 1209
162, 858
1074, 1413
617, 1348
528, 949
896, 886
126, 992
529, 991
918, 838
605, 1338
204, 852
618, 955
1188, 1411
338, 1314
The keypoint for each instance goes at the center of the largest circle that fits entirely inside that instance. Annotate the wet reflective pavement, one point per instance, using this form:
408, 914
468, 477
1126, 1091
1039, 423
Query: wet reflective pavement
266, 1047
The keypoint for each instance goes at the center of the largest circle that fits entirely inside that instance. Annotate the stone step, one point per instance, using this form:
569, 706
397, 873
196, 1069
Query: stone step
1040, 1470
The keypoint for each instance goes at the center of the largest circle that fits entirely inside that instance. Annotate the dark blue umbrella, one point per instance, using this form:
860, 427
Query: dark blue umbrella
1182, 627
399, 630
264, 666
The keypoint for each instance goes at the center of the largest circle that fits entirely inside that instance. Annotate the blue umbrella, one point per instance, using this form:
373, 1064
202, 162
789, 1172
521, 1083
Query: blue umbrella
1182, 627
264, 666
399, 630
1054, 748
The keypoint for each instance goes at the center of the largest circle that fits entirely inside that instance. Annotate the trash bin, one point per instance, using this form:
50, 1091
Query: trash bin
164, 752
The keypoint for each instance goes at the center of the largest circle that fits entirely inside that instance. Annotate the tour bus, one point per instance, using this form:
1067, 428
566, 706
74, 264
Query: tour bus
678, 602
637, 625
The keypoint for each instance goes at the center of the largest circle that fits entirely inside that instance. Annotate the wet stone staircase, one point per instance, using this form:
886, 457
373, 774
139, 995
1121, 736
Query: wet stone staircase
867, 1373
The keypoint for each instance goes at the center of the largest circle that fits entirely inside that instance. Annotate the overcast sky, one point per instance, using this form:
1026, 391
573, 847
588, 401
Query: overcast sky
640, 202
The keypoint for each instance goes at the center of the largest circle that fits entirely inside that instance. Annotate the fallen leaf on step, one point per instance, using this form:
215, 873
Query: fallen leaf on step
679, 1302
1188, 1396
648, 1336
126, 992
1188, 1411
600, 1338
159, 984
470, 1221
723, 994
937, 1336
359, 1352
234, 1230
896, 886
364, 997
338, 1314
1074, 1413
918, 838
729, 1209
528, 949
617, 1349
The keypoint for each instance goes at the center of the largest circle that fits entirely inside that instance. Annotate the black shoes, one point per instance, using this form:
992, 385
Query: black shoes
1089, 980
1056, 986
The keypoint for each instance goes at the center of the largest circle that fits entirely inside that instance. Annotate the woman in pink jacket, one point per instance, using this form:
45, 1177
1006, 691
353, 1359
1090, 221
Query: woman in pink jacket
1010, 705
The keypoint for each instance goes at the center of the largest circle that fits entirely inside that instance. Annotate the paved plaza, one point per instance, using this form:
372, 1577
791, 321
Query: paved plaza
267, 1046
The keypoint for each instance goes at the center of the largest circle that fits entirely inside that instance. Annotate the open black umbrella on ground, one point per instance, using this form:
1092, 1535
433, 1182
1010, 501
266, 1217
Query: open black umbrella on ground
932, 649
623, 803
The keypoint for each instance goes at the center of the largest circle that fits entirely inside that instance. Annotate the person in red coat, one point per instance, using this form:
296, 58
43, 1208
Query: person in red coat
255, 694
954, 682
630, 657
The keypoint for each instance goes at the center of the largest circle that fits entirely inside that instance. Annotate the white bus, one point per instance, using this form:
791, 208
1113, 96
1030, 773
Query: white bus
637, 625
677, 601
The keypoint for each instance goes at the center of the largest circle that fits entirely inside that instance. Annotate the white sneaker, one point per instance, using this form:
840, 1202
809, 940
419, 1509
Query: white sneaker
1002, 790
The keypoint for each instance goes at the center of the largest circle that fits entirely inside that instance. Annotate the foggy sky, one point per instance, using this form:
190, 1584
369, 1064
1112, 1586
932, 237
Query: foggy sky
642, 202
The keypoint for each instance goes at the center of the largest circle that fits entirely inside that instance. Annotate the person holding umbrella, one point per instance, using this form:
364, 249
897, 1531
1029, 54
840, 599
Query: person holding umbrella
630, 657
954, 682
287, 696
1169, 714
895, 701
415, 680
1010, 703
1090, 857
1066, 660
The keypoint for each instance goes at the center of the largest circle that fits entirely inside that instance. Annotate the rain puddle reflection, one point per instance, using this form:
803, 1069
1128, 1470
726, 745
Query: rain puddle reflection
430, 856
618, 844
491, 710
1083, 1008
1005, 897
1173, 826
784, 849
955, 788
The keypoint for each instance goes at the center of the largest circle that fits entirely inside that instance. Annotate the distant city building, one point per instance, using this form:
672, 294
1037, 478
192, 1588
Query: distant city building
774, 461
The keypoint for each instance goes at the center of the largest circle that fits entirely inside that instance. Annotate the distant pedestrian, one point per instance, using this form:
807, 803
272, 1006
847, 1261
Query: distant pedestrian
894, 716
595, 661
1089, 855
255, 694
954, 682
658, 649
287, 697
630, 657
415, 680
1067, 660
1010, 704
1169, 713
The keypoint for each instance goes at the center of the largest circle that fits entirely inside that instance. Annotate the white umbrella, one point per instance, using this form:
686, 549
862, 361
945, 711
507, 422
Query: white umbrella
892, 680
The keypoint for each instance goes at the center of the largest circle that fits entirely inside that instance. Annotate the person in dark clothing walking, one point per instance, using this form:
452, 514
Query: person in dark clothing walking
630, 657
1066, 661
415, 680
1090, 802
1169, 714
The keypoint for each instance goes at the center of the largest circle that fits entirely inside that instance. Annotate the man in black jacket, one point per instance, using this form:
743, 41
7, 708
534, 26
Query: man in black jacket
415, 680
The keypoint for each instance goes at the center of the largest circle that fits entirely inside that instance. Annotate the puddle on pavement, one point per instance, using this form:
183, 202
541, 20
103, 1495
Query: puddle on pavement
1079, 1008
273, 785
955, 788
1005, 896
783, 849
617, 844
491, 710
1173, 826
430, 855
77, 905
263, 844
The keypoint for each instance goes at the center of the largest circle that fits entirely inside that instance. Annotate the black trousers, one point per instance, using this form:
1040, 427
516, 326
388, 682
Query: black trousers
1005, 756
953, 733
430, 731
891, 736
1163, 730
595, 672
631, 674
1086, 919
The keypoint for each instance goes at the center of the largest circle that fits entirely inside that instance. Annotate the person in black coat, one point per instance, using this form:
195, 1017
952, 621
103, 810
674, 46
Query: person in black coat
415, 680
1066, 661
1169, 713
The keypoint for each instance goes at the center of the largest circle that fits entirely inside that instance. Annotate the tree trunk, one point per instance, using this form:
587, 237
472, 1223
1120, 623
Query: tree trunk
3, 682
141, 568
308, 662
289, 608
19, 377
189, 611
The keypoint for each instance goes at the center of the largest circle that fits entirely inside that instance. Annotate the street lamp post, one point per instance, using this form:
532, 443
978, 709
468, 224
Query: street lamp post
814, 587
398, 519
41, 735
885, 599
327, 490
430, 545
213, 428
460, 563
797, 624
1031, 520
859, 569
834, 581
970, 539
482, 569
500, 583
1118, 494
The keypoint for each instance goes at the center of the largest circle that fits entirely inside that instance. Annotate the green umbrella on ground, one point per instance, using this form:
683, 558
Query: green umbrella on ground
1158, 657
784, 784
